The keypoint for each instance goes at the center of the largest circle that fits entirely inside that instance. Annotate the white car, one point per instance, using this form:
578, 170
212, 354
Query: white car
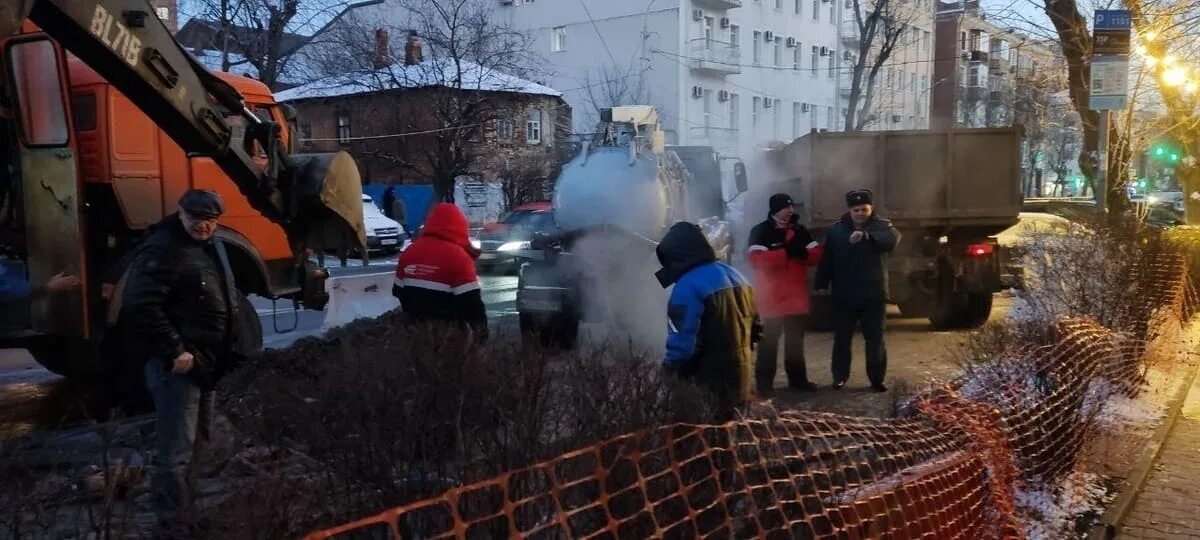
1013, 239
383, 233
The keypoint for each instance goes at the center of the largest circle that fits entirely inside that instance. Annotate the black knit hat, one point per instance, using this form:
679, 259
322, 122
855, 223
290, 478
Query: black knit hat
202, 203
778, 202
857, 197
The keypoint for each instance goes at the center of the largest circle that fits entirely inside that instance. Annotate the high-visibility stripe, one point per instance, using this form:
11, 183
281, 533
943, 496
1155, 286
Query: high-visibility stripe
812, 244
439, 287
757, 247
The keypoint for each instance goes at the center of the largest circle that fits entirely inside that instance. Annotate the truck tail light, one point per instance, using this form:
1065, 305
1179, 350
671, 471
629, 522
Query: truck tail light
980, 250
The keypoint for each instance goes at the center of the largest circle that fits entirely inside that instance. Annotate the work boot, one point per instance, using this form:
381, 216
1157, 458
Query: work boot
879, 387
803, 386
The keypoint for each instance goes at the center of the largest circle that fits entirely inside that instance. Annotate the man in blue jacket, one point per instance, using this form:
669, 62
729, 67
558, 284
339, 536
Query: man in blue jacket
855, 262
712, 320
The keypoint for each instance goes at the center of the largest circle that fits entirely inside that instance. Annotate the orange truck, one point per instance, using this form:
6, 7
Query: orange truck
98, 144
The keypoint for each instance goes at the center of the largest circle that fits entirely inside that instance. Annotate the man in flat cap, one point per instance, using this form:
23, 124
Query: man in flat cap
854, 261
179, 308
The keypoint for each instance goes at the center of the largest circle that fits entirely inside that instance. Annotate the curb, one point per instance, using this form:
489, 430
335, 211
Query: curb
1110, 522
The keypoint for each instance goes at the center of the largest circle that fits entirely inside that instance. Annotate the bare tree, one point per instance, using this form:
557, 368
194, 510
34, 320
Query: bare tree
880, 25
265, 34
461, 68
613, 86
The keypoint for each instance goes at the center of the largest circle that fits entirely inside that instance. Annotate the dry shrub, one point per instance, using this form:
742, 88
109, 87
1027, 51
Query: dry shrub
382, 413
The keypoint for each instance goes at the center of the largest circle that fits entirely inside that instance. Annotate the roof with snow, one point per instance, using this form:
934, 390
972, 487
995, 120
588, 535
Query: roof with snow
428, 74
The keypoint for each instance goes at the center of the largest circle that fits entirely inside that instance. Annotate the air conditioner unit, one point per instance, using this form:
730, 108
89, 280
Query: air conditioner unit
725, 22
767, 103
768, 36
824, 51
896, 118
697, 91
723, 95
847, 56
804, 107
698, 14
791, 42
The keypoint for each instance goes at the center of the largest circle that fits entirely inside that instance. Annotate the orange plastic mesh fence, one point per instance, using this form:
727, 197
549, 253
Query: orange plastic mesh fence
947, 468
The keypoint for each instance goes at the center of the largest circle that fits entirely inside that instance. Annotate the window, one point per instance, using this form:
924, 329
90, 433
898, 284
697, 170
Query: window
829, 117
797, 55
815, 60
533, 127
926, 41
812, 117
708, 30
343, 128
816, 9
779, 5
832, 12
888, 78
832, 64
43, 111
775, 119
558, 39
754, 108
83, 111
306, 134
757, 47
778, 53
733, 111
912, 82
798, 4
735, 37
796, 116
504, 128
163, 13
707, 111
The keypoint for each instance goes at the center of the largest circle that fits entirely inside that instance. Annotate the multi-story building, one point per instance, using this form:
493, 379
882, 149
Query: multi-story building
901, 94
991, 76
733, 74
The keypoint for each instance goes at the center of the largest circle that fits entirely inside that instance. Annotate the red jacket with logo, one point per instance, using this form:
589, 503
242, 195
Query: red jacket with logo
780, 280
435, 276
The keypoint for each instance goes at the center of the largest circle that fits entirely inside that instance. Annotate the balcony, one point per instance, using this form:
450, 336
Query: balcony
715, 57
719, 4
725, 139
976, 56
848, 31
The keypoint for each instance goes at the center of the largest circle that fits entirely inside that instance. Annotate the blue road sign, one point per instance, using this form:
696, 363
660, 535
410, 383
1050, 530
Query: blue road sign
1112, 19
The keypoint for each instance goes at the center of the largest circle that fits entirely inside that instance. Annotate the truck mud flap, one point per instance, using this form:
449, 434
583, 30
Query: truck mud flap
357, 297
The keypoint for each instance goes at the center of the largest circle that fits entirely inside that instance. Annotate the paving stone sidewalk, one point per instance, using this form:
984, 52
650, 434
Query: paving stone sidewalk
1168, 506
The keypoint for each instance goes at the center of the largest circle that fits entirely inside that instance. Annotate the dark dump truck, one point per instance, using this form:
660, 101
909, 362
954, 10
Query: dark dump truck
947, 192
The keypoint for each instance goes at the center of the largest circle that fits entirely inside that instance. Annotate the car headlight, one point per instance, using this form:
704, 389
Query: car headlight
513, 246
476, 244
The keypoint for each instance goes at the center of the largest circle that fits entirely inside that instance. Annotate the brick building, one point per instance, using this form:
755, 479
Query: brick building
389, 120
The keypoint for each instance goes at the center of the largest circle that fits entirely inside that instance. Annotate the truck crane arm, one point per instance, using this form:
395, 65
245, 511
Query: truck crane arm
129, 46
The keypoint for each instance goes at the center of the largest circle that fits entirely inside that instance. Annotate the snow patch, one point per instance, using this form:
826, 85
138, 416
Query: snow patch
462, 75
1051, 512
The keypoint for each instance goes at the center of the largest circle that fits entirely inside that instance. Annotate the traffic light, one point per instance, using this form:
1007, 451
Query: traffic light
1174, 157
1159, 151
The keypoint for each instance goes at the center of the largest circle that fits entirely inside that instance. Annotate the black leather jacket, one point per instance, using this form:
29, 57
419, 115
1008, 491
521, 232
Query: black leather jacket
175, 300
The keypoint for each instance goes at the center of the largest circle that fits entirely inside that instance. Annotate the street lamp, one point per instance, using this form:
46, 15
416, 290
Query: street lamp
1175, 76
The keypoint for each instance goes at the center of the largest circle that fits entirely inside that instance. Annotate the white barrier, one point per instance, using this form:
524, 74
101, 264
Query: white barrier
356, 297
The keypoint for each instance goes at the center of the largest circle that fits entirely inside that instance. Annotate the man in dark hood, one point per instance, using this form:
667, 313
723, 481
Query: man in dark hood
854, 263
712, 319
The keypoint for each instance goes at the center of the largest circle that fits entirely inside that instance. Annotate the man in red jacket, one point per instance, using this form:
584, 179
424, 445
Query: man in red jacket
781, 250
435, 277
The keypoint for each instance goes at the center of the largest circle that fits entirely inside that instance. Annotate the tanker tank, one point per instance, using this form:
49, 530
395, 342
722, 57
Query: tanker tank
603, 188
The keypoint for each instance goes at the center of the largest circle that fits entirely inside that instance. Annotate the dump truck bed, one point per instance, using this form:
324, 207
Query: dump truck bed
949, 178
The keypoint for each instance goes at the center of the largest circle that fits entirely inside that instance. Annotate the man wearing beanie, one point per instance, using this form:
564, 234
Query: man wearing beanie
182, 314
781, 251
854, 262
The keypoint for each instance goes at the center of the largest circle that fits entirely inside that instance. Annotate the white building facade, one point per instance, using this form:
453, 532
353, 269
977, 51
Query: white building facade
732, 74
902, 92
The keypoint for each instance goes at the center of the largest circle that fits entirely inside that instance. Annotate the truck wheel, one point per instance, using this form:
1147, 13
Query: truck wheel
557, 333
979, 308
66, 356
949, 312
252, 321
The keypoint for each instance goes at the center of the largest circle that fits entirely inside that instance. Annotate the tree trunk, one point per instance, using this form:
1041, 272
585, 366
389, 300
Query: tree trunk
1076, 44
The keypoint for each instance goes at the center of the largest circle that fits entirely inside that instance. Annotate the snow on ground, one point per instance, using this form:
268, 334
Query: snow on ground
1052, 512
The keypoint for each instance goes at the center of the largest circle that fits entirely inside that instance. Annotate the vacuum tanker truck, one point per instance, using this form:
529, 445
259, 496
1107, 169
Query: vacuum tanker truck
612, 203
